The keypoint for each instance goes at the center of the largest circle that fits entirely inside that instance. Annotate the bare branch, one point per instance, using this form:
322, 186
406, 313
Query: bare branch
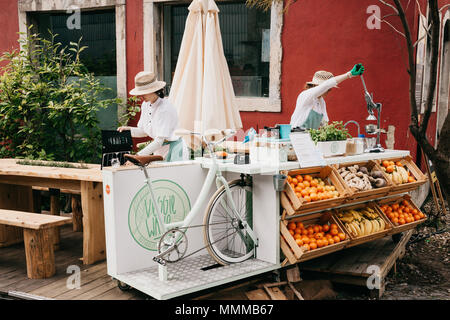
427, 30
443, 7
381, 20
407, 6
434, 14
389, 5
389, 15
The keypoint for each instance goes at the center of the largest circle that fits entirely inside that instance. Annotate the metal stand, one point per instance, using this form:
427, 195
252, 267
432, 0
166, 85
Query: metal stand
162, 273
371, 106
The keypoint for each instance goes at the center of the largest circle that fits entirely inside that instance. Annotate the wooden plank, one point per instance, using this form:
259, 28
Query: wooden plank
59, 288
257, 294
39, 181
285, 203
10, 168
39, 253
287, 251
94, 243
55, 209
275, 293
77, 213
31, 220
13, 197
298, 252
105, 284
114, 294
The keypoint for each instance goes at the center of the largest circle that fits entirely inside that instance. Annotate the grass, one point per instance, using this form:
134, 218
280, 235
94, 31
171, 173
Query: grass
59, 164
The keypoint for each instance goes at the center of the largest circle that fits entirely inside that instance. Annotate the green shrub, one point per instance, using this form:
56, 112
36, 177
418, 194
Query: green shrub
49, 103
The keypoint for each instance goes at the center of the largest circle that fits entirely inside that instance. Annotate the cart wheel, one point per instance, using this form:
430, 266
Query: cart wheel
396, 237
123, 286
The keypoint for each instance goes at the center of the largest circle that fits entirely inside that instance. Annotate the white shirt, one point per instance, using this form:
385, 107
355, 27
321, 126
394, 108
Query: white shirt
158, 120
309, 100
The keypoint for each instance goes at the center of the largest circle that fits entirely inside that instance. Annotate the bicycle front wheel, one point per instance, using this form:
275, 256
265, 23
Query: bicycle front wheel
225, 237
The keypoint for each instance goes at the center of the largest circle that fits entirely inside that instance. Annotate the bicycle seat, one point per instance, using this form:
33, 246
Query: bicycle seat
142, 160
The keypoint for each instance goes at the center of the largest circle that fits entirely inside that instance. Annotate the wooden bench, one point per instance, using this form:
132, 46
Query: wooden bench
38, 231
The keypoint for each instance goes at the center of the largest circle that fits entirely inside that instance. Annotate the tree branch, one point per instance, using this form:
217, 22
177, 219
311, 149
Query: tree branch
396, 30
389, 5
435, 21
412, 65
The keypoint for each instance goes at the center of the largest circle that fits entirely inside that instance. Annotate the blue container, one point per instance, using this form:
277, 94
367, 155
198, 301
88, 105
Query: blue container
285, 130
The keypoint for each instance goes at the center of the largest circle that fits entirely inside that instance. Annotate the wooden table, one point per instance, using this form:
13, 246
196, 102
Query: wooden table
16, 182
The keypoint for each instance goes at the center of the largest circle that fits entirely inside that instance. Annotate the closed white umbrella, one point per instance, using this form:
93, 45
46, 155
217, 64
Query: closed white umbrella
202, 90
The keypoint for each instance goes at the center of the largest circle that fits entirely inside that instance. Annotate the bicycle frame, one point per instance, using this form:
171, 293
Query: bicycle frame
203, 198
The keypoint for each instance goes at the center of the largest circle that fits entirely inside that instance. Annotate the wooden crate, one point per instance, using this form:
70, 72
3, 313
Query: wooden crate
370, 237
407, 226
291, 249
407, 162
375, 193
295, 205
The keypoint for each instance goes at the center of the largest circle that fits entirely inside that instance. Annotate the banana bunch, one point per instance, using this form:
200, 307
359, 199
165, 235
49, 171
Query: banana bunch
363, 222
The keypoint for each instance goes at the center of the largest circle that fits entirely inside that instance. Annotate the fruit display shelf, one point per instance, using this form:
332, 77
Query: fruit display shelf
296, 244
363, 222
355, 194
418, 178
409, 205
303, 199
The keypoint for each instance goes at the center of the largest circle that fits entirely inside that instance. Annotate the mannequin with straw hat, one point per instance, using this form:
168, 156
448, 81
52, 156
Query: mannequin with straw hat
310, 110
158, 120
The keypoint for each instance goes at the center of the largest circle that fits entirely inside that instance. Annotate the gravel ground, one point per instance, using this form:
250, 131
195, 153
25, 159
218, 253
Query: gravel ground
424, 271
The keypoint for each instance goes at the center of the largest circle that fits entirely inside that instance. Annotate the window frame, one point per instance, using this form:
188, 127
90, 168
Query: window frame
154, 53
25, 6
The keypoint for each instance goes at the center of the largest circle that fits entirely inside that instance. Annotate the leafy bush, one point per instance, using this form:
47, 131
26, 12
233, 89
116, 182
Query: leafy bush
49, 103
330, 132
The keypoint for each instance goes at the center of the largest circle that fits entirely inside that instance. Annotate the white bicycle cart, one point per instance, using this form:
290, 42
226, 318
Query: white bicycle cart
190, 242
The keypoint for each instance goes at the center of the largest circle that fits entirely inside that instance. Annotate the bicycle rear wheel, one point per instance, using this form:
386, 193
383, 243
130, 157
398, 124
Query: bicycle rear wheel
225, 237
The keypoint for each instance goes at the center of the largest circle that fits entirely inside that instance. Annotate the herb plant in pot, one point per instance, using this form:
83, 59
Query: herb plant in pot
331, 139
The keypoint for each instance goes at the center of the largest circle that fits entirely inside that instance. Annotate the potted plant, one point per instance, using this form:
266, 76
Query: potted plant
331, 139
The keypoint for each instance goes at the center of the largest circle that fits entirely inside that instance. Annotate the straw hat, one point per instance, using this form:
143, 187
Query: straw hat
320, 77
145, 82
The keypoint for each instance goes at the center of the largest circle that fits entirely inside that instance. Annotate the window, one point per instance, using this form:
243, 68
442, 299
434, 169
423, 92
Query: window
104, 31
251, 40
246, 43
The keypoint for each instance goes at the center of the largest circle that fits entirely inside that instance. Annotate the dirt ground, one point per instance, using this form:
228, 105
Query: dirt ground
424, 271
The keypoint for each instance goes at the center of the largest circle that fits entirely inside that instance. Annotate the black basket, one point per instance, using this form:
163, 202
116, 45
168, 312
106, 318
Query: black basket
114, 145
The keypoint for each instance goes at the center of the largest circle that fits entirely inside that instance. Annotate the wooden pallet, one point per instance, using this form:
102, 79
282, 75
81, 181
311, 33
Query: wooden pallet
352, 266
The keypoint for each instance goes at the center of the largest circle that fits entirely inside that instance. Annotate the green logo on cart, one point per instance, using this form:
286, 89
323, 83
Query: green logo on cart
142, 222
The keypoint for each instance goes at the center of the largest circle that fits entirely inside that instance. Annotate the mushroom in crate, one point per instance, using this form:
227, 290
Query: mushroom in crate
364, 180
311, 236
402, 213
312, 189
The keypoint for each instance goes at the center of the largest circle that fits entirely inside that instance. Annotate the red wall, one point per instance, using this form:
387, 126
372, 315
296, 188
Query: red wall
332, 35
10, 26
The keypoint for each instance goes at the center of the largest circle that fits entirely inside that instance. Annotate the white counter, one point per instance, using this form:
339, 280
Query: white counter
268, 169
